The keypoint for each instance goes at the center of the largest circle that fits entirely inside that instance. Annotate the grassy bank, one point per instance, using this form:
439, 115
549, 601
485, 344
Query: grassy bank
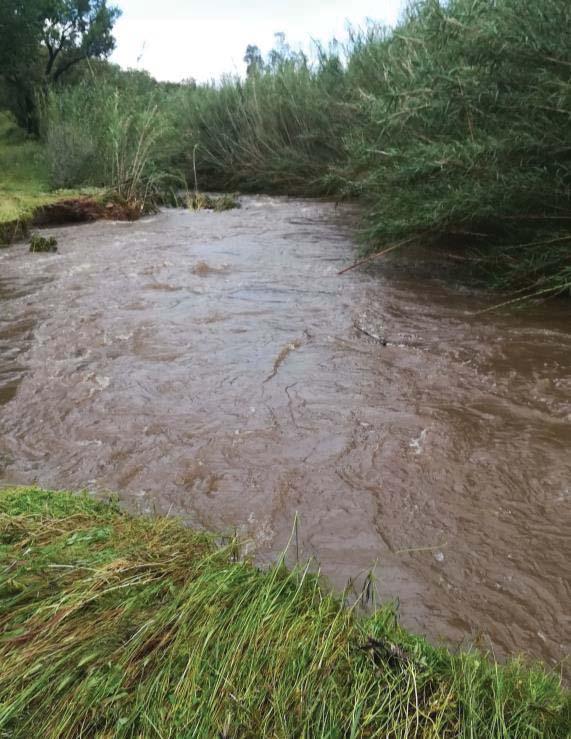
24, 181
113, 625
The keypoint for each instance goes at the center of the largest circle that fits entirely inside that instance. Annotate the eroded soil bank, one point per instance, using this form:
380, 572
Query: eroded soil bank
210, 366
82, 209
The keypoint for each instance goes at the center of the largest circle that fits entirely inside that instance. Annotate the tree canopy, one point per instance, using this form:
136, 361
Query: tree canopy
74, 30
254, 60
40, 40
20, 28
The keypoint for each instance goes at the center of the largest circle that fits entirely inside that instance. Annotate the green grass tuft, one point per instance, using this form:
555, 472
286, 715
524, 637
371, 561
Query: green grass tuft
112, 625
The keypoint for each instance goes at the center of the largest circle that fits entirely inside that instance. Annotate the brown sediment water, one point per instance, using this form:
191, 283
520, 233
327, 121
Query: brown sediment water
215, 366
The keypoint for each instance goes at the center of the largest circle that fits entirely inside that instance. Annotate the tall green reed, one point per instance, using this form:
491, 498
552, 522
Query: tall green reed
98, 135
463, 134
274, 131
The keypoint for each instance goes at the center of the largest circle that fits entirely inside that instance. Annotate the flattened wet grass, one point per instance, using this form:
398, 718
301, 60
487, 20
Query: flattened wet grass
113, 625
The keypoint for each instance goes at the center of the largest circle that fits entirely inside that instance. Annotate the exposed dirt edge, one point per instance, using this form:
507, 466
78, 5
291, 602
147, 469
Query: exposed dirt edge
84, 210
70, 210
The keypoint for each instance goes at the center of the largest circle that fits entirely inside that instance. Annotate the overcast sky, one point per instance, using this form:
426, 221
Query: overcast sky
178, 39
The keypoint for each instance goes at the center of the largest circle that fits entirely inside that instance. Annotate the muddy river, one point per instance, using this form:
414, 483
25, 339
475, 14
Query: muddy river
217, 367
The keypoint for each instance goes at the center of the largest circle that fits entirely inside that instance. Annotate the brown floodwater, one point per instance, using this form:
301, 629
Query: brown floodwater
216, 366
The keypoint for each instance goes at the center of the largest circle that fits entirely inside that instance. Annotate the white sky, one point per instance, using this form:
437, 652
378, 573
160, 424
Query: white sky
178, 39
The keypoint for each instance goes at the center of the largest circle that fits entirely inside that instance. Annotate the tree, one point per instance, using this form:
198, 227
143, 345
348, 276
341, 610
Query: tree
20, 30
254, 60
75, 30
20, 33
281, 50
40, 40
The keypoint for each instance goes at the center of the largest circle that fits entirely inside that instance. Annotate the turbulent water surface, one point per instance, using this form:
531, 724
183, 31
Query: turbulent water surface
217, 367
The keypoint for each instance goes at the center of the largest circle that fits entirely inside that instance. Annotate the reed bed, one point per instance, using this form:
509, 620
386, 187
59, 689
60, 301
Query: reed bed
113, 625
463, 137
97, 134
273, 132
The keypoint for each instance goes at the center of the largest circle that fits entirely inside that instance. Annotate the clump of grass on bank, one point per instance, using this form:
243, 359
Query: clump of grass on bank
95, 143
98, 135
119, 626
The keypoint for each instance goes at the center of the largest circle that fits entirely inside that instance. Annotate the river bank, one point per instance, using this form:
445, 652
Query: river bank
61, 210
122, 625
27, 199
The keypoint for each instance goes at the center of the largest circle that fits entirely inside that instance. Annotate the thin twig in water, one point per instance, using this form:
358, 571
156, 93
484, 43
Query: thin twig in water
421, 549
377, 255
194, 169
380, 339
553, 289
287, 389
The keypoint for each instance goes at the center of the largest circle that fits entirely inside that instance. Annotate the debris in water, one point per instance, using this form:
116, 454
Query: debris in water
373, 330
282, 356
417, 443
202, 269
201, 201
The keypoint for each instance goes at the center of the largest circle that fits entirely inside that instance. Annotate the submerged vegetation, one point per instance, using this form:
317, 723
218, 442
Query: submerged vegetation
217, 203
451, 130
113, 625
39, 244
